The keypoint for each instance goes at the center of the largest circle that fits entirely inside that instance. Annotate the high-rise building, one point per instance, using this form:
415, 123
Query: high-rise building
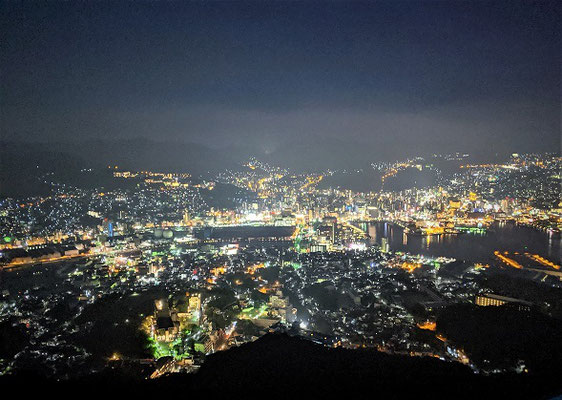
384, 245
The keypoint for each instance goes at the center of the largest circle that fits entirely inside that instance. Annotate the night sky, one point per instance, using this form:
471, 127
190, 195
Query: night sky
429, 75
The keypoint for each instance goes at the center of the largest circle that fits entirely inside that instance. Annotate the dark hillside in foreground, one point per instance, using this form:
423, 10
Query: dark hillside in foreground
501, 337
282, 366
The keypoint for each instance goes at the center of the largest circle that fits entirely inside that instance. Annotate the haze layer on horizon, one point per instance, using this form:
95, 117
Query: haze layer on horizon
429, 76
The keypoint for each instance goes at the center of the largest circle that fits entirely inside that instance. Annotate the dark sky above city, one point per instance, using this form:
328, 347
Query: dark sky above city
439, 75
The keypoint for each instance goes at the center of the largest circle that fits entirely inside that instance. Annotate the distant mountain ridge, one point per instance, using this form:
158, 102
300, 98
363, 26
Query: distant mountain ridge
22, 163
139, 153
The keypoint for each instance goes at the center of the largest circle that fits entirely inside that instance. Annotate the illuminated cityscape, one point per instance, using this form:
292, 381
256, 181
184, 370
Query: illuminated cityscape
189, 279
152, 265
